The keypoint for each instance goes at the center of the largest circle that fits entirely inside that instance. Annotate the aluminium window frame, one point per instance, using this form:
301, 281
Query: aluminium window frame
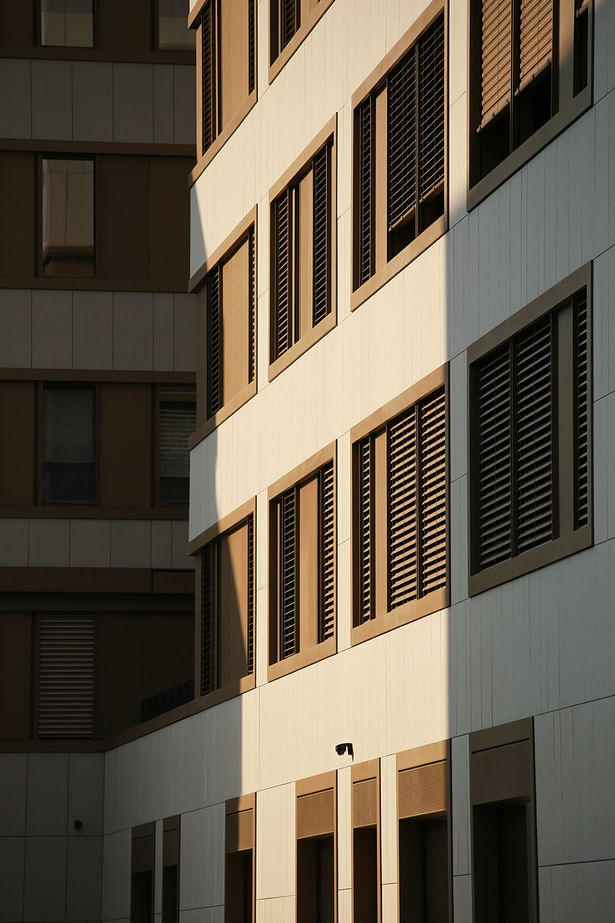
371, 85
438, 599
570, 107
550, 302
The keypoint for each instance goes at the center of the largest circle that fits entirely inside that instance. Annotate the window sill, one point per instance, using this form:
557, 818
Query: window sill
91, 511
301, 346
532, 146
81, 53
204, 160
383, 275
304, 30
302, 659
223, 414
403, 615
531, 560
81, 284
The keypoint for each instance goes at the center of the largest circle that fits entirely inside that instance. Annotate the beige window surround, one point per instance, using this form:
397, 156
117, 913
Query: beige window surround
240, 858
375, 426
568, 536
366, 841
315, 823
241, 316
387, 264
299, 176
310, 13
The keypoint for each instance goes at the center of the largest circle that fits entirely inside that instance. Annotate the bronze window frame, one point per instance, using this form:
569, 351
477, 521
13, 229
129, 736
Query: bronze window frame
239, 838
310, 13
365, 814
316, 817
570, 540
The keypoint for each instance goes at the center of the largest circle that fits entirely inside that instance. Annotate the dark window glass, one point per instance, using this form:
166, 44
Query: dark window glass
173, 31
67, 22
177, 423
68, 445
68, 217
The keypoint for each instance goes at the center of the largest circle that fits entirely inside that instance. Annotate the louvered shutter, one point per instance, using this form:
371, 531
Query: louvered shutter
289, 20
251, 45
283, 272
402, 512
581, 397
533, 388
494, 458
432, 492
67, 664
496, 31
209, 74
177, 423
289, 538
321, 186
401, 154
327, 553
365, 463
214, 342
536, 39
250, 620
431, 109
367, 158
207, 616
252, 310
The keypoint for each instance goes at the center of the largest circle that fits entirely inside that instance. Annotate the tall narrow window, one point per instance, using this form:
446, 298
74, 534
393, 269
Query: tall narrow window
240, 842
316, 807
68, 469
173, 32
170, 869
142, 874
67, 22
285, 19
67, 247
530, 442
302, 570
302, 257
177, 423
66, 676
365, 808
400, 515
400, 156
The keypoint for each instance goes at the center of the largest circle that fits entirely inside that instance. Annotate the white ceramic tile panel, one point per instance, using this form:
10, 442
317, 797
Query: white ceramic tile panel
90, 543
388, 818
12, 865
462, 899
92, 92
344, 906
14, 542
344, 595
458, 526
163, 104
158, 856
275, 910
84, 878
116, 878
52, 117
604, 324
460, 797
133, 330
163, 331
16, 98
133, 102
179, 546
275, 846
92, 330
202, 834
202, 915
184, 332
344, 828
85, 793
45, 879
568, 893
457, 161
161, 545
16, 326
131, 543
52, 330
458, 673
49, 543
47, 794
13, 795
261, 648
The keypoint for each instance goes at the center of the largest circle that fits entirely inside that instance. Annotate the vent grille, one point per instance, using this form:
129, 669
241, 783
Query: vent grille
327, 550
401, 89
582, 410
431, 109
67, 661
495, 58
214, 342
366, 191
289, 536
321, 184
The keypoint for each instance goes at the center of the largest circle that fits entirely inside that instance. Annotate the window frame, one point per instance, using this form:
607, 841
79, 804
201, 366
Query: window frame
65, 280
204, 424
177, 394
307, 21
236, 831
313, 787
437, 599
40, 449
277, 666
361, 773
156, 30
70, 48
376, 80
218, 530
550, 302
204, 157
171, 858
288, 178
570, 107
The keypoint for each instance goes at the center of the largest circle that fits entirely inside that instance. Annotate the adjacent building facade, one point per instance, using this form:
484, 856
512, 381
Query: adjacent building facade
401, 246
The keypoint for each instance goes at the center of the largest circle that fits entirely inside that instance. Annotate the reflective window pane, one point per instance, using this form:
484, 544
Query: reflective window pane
177, 423
67, 22
68, 445
68, 217
173, 31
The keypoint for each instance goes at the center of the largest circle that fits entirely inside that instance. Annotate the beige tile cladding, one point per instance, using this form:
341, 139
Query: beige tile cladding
92, 330
90, 543
52, 330
52, 115
16, 327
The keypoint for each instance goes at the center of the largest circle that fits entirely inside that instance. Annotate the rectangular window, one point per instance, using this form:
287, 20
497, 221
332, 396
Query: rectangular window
142, 874
69, 466
226, 70
67, 23
67, 246
173, 32
400, 492
502, 792
66, 676
530, 76
424, 873
303, 253
530, 435
227, 315
316, 811
239, 864
400, 182
225, 597
289, 23
302, 561
365, 807
176, 426
170, 869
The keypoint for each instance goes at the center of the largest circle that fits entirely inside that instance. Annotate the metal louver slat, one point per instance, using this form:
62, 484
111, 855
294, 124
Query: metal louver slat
251, 46
207, 611
534, 435
582, 409
177, 423
366, 190
495, 458
402, 511
290, 21
252, 310
536, 39
366, 530
431, 109
283, 273
432, 492
320, 173
495, 58
401, 116
208, 64
67, 662
250, 617
327, 552
214, 342
288, 549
